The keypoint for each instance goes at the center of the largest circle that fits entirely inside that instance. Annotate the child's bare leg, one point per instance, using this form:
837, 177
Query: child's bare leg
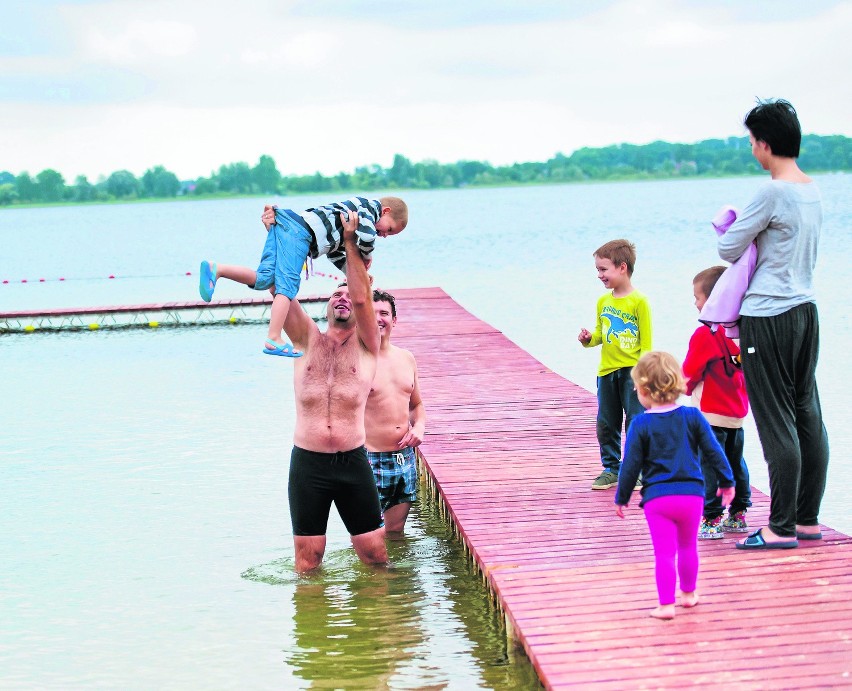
663, 612
240, 274
660, 514
688, 599
277, 317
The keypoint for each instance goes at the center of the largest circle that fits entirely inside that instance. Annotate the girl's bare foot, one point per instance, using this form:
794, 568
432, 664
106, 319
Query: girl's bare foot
688, 599
663, 612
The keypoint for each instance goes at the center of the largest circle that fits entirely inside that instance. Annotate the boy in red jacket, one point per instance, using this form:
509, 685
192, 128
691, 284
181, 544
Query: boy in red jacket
715, 381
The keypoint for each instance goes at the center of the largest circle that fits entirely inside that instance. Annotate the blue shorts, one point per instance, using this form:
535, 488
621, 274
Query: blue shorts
287, 246
396, 476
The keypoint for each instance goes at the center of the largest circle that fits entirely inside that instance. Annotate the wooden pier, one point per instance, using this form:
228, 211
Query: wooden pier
511, 452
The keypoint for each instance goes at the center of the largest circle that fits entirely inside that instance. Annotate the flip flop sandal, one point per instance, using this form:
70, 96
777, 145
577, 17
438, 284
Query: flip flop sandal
808, 536
286, 350
207, 280
756, 541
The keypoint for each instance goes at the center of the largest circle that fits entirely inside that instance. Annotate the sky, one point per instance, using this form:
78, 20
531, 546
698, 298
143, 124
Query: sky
91, 87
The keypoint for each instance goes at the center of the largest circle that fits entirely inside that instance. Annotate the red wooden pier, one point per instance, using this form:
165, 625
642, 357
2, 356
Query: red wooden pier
511, 451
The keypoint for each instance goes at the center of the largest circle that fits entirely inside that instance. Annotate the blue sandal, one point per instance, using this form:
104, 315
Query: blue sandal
286, 350
808, 536
756, 541
207, 280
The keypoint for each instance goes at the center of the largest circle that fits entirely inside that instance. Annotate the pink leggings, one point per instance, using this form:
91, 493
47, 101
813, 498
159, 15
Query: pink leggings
673, 522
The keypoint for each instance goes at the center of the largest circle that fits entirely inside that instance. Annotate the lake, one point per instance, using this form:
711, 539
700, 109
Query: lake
145, 532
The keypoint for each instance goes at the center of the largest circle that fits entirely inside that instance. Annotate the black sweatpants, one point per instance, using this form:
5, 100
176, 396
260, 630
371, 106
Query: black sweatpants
779, 362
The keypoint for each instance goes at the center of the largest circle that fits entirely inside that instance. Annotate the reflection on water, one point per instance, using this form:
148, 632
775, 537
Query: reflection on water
425, 622
356, 633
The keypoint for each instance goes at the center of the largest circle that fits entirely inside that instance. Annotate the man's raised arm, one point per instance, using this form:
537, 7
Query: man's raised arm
360, 292
298, 326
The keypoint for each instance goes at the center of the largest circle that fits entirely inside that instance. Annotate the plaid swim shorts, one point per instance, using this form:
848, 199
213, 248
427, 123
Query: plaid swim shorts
396, 476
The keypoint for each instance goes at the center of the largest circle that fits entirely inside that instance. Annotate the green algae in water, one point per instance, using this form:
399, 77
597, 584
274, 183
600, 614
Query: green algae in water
426, 622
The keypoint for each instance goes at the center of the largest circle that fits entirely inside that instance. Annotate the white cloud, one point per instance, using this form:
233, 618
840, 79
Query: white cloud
194, 85
138, 42
673, 34
306, 50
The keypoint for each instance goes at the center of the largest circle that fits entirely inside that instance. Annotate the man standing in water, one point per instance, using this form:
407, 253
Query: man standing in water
331, 382
395, 421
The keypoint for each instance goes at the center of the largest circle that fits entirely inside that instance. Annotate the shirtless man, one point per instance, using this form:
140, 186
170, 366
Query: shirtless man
331, 382
395, 421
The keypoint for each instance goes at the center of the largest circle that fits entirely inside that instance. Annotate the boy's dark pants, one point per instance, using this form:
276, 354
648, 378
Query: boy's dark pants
779, 362
732, 441
617, 401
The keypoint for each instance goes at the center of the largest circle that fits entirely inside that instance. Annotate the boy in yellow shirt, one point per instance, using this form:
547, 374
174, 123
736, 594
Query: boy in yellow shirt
623, 329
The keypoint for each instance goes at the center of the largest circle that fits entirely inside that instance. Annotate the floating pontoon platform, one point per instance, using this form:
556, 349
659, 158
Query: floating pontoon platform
243, 311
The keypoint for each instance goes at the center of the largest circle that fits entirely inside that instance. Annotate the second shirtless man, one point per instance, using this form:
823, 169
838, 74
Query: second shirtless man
395, 420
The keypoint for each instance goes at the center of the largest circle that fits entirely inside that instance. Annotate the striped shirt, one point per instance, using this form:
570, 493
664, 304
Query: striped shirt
326, 227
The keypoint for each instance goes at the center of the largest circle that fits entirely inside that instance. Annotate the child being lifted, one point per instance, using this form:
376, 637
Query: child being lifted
292, 237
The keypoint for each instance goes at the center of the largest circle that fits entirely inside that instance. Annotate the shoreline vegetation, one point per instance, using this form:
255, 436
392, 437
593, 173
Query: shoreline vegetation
711, 158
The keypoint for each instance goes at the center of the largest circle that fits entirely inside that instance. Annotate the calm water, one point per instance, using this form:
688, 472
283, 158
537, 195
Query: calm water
144, 531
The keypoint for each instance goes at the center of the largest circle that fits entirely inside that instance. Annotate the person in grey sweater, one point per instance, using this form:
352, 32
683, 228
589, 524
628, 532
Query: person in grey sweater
779, 328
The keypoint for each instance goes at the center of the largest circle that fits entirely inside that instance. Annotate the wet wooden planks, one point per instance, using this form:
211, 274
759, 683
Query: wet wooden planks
511, 448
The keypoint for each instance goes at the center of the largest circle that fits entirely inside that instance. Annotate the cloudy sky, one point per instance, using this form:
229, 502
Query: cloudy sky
90, 87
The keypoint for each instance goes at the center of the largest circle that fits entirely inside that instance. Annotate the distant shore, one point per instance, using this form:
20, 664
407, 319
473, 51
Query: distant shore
348, 192
708, 159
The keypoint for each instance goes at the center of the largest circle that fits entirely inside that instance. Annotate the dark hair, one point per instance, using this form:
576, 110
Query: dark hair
618, 252
706, 280
775, 122
383, 296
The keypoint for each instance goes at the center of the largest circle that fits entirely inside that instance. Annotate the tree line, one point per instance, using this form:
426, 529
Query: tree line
708, 158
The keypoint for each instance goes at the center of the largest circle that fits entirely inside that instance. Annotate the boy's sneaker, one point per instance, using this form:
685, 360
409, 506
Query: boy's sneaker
735, 523
710, 530
605, 480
